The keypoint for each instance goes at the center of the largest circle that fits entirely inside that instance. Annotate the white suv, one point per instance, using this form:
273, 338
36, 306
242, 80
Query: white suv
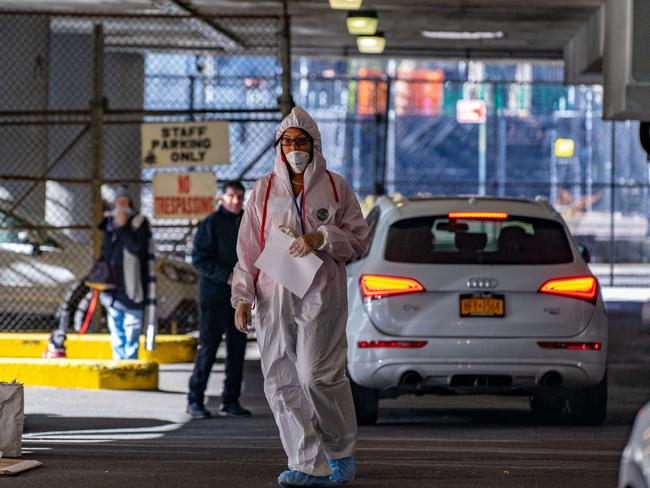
473, 295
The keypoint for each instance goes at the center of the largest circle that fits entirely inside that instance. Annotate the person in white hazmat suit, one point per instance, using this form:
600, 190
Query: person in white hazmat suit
302, 342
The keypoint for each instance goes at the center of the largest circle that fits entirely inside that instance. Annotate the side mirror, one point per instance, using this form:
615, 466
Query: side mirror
584, 252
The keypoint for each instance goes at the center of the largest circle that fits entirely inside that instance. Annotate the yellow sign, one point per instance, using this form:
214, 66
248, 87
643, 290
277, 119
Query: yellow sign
564, 148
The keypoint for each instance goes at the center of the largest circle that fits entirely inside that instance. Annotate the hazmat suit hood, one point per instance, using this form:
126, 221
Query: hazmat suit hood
302, 120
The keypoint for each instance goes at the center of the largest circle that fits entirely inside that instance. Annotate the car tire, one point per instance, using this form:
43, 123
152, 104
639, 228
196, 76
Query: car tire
589, 407
366, 404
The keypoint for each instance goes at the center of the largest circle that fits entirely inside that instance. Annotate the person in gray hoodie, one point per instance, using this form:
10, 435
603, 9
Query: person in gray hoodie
127, 248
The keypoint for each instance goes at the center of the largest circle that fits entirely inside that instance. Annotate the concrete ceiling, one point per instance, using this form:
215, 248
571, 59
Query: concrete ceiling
532, 28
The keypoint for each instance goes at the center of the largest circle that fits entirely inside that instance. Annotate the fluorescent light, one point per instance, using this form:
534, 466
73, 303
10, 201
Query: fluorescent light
362, 23
371, 44
454, 35
346, 4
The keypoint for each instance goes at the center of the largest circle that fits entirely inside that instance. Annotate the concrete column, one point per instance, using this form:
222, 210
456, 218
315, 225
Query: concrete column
71, 68
23, 86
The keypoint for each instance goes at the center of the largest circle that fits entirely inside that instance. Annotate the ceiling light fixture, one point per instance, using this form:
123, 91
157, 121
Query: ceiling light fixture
362, 23
469, 36
371, 44
346, 4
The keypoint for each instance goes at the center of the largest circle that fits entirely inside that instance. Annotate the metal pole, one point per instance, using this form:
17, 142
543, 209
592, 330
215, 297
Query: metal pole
502, 148
482, 150
191, 95
589, 148
97, 135
554, 175
286, 100
384, 174
380, 138
612, 205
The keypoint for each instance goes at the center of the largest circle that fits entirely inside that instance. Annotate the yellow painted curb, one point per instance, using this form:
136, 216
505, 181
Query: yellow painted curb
169, 348
81, 373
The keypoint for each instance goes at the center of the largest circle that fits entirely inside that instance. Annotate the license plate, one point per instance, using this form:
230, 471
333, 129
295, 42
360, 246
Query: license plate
482, 306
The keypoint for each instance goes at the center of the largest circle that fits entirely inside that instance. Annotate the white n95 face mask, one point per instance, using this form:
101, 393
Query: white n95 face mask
298, 160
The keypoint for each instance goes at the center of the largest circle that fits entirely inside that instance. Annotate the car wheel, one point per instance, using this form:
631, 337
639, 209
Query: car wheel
366, 404
589, 407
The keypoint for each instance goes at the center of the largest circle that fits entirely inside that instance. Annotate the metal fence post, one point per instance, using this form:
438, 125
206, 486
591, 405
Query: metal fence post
385, 130
382, 126
612, 205
97, 136
286, 100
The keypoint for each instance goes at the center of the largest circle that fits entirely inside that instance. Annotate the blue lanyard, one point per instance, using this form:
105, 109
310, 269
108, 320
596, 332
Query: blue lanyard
300, 208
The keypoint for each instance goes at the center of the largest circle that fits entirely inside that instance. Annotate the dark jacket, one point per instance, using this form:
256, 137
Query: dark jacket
128, 244
215, 253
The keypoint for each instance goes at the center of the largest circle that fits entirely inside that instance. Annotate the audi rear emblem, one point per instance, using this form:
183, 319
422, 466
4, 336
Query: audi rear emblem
482, 283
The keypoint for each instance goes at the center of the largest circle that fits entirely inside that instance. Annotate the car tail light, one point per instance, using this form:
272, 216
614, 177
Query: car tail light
572, 346
392, 344
478, 215
379, 286
581, 287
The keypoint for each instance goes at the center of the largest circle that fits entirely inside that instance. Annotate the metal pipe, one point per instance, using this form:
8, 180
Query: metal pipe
612, 205
149, 113
411, 379
274, 120
134, 16
386, 129
185, 6
482, 157
105, 181
286, 100
552, 379
97, 136
502, 159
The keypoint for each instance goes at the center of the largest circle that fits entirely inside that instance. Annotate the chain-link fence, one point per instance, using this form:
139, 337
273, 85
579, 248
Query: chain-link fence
75, 96
402, 135
75, 91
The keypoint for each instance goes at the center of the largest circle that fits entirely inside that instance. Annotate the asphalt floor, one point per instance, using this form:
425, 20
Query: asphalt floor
105, 438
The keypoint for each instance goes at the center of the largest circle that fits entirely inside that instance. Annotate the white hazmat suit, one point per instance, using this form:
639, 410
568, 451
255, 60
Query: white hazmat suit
302, 341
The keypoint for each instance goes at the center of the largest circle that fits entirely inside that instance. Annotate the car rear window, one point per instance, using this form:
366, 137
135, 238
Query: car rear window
441, 240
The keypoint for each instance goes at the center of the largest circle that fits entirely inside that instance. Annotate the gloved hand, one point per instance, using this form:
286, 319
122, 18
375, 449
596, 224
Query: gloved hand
303, 245
243, 317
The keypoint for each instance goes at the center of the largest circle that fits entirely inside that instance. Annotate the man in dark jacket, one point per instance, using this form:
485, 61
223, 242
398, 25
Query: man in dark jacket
127, 248
214, 257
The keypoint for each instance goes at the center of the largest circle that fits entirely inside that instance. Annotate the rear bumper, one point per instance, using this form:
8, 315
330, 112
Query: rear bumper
522, 375
442, 362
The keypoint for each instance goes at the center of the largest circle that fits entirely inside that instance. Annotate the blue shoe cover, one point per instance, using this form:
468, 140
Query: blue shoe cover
292, 477
343, 470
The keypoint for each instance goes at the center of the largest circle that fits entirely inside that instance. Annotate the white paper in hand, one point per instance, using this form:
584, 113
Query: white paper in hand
295, 274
